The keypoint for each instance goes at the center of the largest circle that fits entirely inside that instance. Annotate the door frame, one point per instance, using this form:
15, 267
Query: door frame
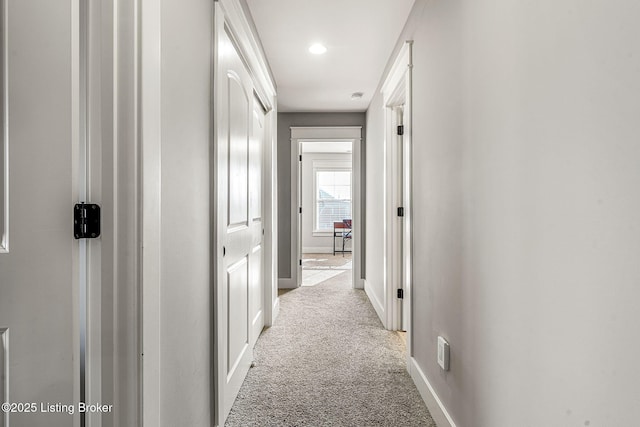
4, 130
113, 42
104, 143
396, 92
301, 134
230, 17
137, 117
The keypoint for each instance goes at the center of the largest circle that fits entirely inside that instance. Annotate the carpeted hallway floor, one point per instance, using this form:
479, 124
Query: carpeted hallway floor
328, 361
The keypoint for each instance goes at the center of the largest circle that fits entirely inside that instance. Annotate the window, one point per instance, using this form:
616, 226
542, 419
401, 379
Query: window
332, 197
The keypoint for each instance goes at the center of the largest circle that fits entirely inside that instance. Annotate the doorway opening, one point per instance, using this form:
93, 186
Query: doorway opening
398, 248
326, 196
326, 224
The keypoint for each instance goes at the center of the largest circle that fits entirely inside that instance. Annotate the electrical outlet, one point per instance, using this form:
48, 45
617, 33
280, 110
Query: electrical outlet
443, 354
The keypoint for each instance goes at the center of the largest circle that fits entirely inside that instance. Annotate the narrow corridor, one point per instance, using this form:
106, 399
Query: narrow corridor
328, 361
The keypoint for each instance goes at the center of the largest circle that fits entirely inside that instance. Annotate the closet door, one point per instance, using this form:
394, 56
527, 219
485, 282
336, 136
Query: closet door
239, 227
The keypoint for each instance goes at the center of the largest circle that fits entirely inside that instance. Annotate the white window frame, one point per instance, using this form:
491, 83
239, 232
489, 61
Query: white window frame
328, 166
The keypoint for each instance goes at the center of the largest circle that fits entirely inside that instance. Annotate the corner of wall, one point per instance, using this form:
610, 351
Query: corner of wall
286, 283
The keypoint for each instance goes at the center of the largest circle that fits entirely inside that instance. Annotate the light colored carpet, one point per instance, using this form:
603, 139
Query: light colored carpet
317, 268
328, 361
326, 261
313, 277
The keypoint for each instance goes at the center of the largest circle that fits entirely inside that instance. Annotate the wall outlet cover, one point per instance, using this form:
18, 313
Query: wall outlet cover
443, 354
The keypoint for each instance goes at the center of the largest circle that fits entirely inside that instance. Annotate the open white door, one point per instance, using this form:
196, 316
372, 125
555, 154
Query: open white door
40, 174
298, 264
239, 227
256, 194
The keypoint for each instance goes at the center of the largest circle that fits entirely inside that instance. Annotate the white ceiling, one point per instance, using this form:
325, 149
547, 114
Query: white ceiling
359, 35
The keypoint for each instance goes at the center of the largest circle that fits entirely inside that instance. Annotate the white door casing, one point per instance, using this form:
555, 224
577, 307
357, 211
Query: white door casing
396, 92
256, 212
298, 216
70, 138
399, 282
351, 134
4, 133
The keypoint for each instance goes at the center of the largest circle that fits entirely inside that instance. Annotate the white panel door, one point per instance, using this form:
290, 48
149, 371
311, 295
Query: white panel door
39, 309
239, 228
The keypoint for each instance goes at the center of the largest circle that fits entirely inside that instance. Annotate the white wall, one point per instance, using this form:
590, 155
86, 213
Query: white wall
526, 173
185, 294
316, 243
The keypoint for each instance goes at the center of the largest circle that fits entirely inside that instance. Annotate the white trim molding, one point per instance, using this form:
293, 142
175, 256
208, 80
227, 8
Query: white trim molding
4, 131
251, 51
436, 408
301, 134
275, 308
396, 92
148, 87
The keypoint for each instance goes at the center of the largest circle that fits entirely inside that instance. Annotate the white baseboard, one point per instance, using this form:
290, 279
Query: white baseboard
286, 283
375, 302
436, 408
275, 310
317, 250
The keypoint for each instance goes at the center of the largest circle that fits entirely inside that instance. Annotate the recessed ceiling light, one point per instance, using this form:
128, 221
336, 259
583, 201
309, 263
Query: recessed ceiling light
356, 95
317, 49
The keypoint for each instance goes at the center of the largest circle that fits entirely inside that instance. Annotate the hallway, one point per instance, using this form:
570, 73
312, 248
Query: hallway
327, 360
173, 173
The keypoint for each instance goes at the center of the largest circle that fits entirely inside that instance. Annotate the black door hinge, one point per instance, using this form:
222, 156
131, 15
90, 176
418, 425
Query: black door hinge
224, 250
401, 293
300, 209
400, 211
300, 261
86, 221
300, 157
401, 130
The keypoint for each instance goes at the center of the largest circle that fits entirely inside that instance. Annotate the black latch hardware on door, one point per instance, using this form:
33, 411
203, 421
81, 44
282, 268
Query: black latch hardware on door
400, 211
401, 293
86, 221
401, 130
